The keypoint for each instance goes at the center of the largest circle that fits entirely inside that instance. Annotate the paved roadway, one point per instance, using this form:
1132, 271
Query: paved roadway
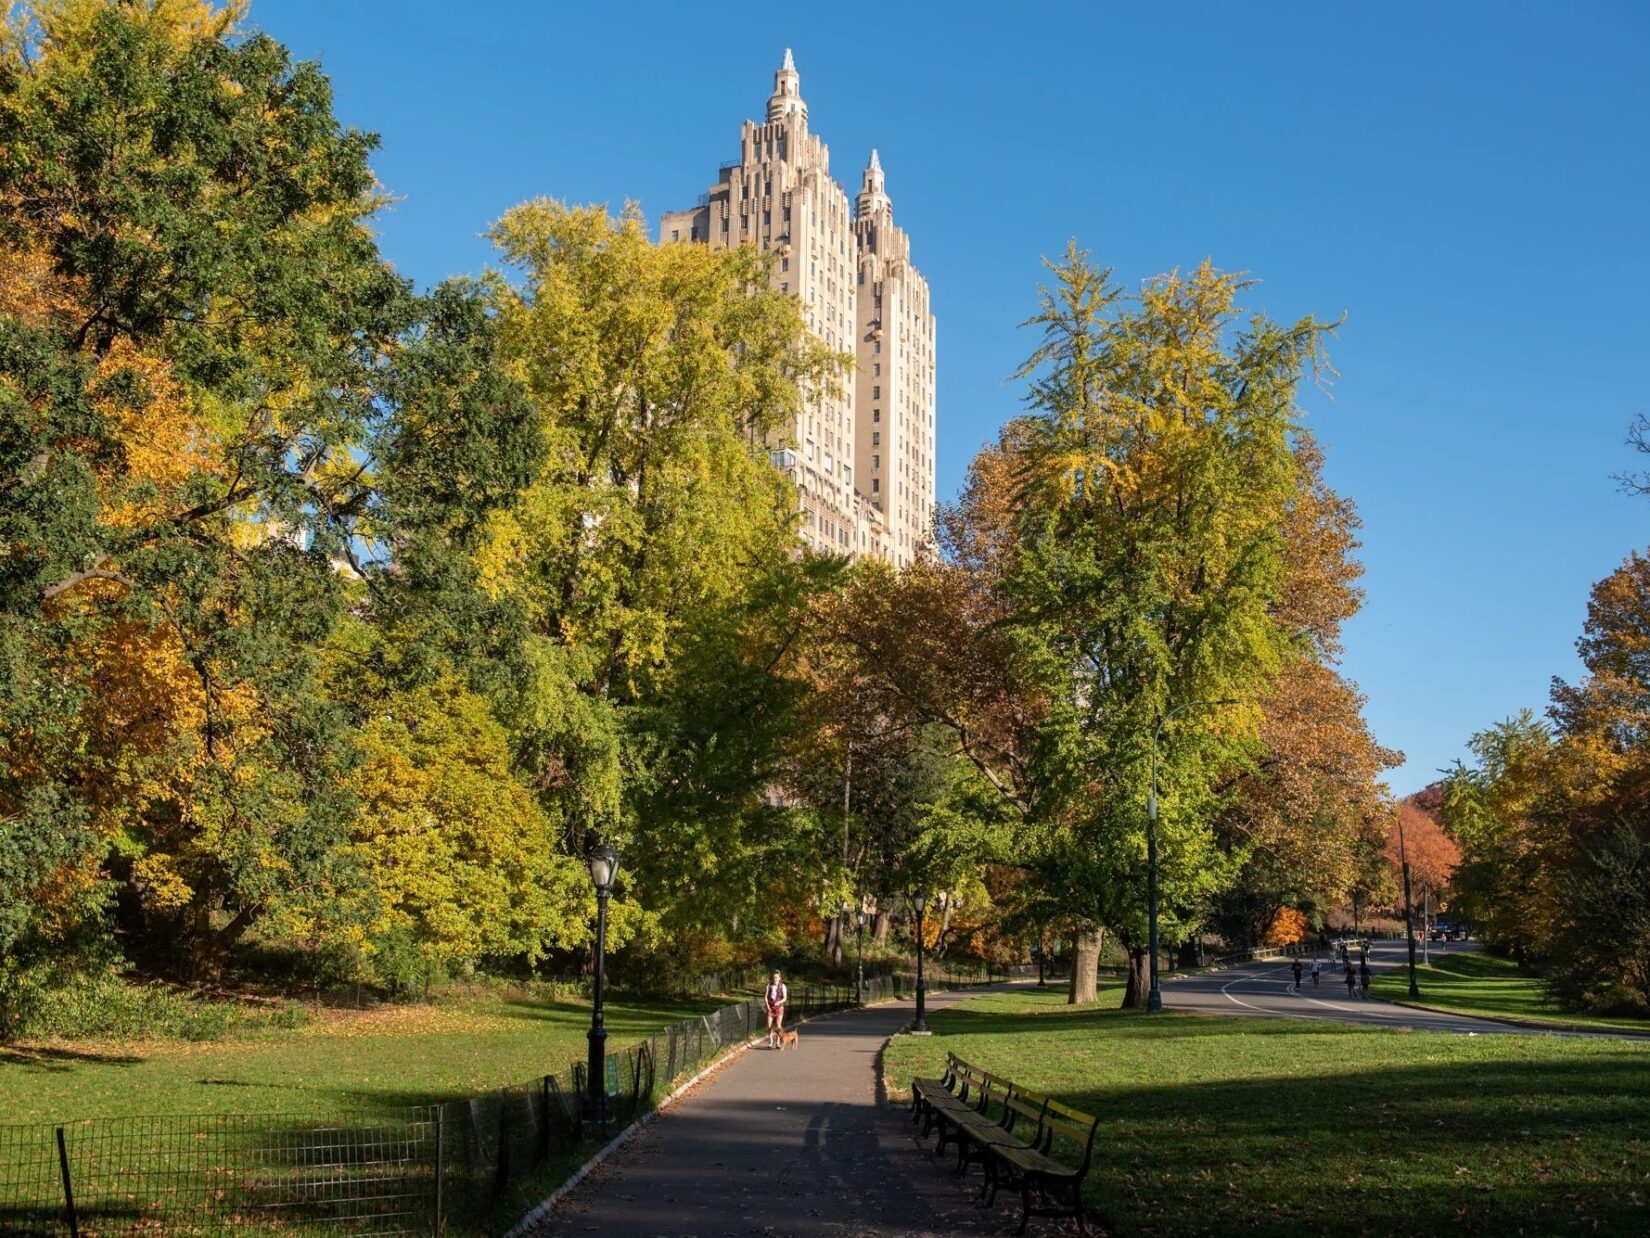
1267, 988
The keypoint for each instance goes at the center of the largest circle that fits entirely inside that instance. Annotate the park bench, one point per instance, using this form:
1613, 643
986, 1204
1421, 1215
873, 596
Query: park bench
1016, 1145
959, 1105
960, 1090
1048, 1185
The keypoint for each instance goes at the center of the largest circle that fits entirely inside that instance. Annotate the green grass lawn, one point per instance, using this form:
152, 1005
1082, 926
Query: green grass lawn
343, 1061
1473, 982
1244, 1126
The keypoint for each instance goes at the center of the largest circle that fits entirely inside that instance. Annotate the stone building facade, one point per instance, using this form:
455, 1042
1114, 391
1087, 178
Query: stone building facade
862, 458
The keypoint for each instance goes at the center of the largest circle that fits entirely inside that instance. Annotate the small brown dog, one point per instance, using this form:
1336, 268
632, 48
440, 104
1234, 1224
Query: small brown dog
789, 1039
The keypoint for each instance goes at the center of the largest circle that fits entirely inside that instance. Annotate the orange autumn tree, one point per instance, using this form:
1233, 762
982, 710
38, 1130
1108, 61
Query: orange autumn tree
1433, 855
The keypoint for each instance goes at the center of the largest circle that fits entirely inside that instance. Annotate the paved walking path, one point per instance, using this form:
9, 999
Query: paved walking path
784, 1143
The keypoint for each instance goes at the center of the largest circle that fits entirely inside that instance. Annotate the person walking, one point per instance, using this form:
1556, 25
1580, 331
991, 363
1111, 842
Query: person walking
1363, 977
1297, 969
773, 1001
1317, 970
1351, 980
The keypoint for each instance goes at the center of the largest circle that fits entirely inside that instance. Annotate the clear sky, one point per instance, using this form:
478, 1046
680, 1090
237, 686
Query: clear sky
1468, 182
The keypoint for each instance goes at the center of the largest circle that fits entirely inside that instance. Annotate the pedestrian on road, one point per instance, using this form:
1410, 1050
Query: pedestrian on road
1317, 970
773, 1000
1351, 981
1296, 968
1363, 977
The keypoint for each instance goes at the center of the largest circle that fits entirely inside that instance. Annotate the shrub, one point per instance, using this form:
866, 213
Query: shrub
1602, 959
108, 1006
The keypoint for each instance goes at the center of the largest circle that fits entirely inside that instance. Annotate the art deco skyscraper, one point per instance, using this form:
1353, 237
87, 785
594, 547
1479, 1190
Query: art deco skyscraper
863, 459
895, 336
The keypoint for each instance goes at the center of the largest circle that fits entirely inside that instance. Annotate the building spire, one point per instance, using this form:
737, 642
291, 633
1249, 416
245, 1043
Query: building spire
873, 192
787, 92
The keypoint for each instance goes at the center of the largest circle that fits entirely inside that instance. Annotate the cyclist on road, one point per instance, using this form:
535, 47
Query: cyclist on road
1296, 968
1317, 970
1351, 980
1363, 977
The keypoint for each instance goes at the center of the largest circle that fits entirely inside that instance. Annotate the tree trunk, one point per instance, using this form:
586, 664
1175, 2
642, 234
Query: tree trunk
945, 928
833, 940
1085, 963
879, 930
210, 947
1134, 996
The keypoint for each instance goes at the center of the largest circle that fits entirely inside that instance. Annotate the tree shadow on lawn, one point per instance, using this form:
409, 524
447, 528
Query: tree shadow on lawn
1118, 1024
42, 1057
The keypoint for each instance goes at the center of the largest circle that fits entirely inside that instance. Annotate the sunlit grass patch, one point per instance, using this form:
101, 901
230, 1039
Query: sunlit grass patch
1474, 982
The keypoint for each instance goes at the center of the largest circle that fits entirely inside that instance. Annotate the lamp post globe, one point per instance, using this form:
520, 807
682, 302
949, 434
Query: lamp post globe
604, 866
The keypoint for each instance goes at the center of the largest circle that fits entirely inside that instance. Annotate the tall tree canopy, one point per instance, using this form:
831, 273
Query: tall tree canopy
192, 315
652, 557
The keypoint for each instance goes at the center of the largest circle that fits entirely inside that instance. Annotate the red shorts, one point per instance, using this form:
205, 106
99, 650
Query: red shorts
776, 1012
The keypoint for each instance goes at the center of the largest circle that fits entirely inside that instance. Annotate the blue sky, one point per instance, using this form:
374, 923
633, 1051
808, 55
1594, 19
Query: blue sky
1468, 182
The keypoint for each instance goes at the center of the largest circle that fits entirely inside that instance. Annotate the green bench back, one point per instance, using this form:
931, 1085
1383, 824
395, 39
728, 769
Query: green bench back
1061, 1121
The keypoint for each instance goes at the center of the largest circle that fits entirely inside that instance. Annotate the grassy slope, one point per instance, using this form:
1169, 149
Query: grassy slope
1478, 983
1228, 1126
345, 1061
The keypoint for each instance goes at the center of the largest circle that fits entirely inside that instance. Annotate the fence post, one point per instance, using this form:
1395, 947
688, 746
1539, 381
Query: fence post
501, 1177
440, 1164
544, 1126
477, 1158
68, 1186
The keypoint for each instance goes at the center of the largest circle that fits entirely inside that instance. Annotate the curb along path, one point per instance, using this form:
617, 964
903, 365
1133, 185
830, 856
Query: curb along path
788, 1142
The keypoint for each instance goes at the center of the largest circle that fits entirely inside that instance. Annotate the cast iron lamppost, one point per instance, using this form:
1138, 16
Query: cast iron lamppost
1154, 998
604, 865
920, 1027
1409, 907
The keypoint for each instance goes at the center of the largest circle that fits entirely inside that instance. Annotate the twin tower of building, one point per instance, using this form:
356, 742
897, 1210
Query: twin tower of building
863, 459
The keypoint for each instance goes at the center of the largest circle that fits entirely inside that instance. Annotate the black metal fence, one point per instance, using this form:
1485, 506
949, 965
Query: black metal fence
416, 1170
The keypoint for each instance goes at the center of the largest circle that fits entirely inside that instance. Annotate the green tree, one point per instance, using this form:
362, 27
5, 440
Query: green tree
181, 395
651, 558
1157, 486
